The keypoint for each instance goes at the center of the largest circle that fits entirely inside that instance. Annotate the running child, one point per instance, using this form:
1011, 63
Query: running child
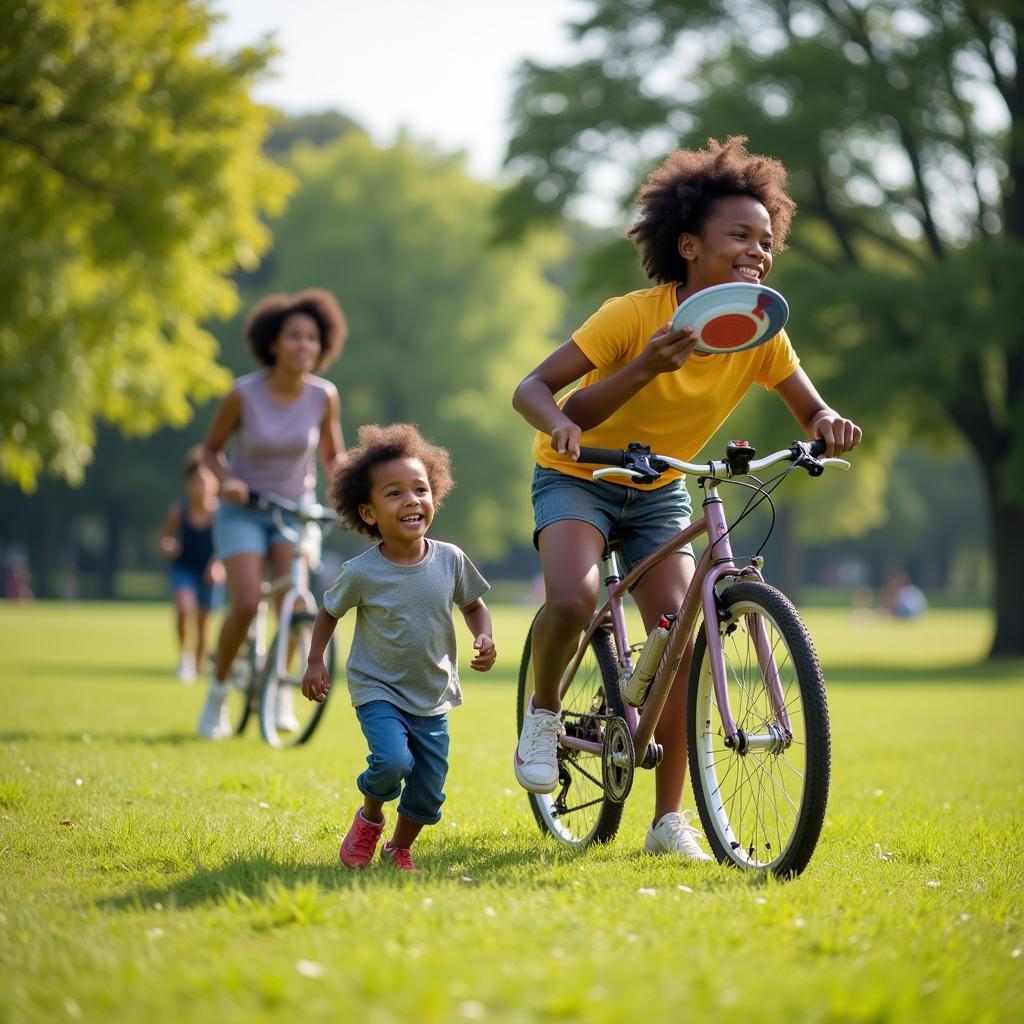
186, 537
403, 666
706, 217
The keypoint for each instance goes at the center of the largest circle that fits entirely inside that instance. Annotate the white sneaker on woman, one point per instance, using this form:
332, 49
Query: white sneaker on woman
187, 669
214, 722
536, 760
286, 720
674, 834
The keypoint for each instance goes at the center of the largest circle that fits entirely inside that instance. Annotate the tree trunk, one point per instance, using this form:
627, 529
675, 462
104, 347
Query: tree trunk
112, 554
787, 570
1008, 552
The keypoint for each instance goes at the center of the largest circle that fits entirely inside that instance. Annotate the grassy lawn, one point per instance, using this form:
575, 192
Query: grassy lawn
147, 876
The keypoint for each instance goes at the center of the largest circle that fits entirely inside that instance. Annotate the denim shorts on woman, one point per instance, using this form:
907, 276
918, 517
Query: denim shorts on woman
238, 529
641, 520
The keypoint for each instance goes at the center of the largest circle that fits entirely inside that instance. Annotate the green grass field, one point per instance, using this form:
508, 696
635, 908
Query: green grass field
147, 876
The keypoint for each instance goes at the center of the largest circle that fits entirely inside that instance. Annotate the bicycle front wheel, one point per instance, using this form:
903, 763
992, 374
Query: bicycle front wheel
579, 811
761, 800
243, 683
287, 719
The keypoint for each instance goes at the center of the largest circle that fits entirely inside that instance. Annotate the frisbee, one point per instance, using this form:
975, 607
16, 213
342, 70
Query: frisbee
732, 317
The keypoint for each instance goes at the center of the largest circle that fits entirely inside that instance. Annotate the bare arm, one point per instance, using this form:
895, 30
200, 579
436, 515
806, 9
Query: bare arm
332, 444
815, 417
534, 399
315, 682
665, 352
225, 422
169, 543
478, 619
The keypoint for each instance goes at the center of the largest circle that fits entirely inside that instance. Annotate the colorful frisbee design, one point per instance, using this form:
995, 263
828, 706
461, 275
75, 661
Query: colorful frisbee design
732, 317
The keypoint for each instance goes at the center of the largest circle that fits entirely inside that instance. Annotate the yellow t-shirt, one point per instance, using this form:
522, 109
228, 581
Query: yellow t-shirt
676, 412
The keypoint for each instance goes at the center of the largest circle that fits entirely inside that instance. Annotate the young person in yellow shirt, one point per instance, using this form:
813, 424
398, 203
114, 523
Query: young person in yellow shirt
706, 217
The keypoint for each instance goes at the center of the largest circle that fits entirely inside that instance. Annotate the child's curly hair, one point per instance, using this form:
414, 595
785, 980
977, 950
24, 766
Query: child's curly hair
678, 196
267, 318
377, 444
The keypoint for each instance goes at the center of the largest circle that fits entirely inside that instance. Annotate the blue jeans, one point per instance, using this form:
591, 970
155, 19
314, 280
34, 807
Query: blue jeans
405, 748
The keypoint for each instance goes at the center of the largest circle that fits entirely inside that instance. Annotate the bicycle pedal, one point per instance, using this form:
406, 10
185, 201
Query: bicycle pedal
653, 757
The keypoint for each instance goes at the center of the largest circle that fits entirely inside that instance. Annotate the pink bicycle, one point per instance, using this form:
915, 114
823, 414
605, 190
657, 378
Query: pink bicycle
757, 718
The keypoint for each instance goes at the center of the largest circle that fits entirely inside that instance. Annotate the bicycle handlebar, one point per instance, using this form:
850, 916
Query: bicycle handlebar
641, 465
307, 512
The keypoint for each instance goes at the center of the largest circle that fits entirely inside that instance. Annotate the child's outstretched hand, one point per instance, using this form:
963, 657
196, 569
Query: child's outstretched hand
485, 656
316, 682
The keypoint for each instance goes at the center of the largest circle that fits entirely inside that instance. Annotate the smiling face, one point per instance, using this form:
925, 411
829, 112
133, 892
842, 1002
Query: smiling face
297, 347
734, 244
401, 504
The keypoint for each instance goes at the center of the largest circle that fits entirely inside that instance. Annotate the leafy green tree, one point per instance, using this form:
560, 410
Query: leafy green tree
132, 184
902, 122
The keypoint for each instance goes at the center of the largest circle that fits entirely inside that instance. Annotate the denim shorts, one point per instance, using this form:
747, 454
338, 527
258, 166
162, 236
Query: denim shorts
238, 529
207, 597
408, 758
639, 521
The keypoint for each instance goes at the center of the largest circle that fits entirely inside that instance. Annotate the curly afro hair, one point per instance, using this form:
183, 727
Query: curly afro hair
679, 195
377, 444
268, 317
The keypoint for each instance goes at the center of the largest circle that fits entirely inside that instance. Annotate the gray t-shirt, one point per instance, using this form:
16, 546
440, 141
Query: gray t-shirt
403, 648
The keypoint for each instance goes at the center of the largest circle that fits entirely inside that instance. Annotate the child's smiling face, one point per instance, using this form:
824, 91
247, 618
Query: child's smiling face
401, 504
735, 244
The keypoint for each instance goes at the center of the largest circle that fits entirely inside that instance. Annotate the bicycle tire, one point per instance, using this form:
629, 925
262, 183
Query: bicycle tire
299, 630
243, 680
595, 688
763, 809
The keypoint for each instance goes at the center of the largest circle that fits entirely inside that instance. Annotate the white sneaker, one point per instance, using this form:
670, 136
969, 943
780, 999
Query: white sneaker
214, 722
536, 761
187, 669
286, 720
675, 834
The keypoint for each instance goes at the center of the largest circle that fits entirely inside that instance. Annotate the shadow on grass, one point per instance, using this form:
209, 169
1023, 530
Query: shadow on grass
257, 877
149, 739
264, 880
91, 671
1006, 672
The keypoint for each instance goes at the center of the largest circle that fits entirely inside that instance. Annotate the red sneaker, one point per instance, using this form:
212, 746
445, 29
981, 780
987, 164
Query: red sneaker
399, 857
360, 842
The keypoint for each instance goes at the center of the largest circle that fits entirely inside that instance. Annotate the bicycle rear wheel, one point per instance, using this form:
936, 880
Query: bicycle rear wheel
762, 802
287, 719
579, 811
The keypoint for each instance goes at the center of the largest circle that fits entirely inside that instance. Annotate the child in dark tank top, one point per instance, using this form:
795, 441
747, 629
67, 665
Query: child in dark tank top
186, 538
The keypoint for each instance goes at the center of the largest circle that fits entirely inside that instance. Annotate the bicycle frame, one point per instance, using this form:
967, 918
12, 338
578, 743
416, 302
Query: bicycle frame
715, 563
296, 582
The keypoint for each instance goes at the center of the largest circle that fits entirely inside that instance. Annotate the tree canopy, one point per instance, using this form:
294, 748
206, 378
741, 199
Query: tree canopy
902, 122
132, 183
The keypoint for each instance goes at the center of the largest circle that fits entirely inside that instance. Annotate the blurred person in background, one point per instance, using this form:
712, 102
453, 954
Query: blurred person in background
186, 538
276, 419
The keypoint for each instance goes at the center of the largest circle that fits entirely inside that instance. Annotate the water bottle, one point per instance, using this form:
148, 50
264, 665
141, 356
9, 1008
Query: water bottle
647, 663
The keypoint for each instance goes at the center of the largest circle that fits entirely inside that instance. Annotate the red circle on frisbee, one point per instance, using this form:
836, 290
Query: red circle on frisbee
728, 330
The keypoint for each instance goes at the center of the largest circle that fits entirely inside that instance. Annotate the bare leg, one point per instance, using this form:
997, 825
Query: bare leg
570, 554
184, 605
202, 615
406, 832
661, 590
373, 810
244, 578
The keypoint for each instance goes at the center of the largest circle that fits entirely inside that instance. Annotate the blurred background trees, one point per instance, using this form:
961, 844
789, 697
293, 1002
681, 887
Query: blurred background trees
144, 209
902, 122
132, 183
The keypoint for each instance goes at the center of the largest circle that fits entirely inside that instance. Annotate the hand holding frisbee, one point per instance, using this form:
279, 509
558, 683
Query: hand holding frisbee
732, 317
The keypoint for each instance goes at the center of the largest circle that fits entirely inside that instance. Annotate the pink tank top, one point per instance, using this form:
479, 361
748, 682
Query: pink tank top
274, 448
